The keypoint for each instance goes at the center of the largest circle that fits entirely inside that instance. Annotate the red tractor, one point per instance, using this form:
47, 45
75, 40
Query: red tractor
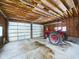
57, 37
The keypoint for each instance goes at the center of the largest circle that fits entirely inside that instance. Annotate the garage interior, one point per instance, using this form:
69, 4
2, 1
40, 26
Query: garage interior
27, 26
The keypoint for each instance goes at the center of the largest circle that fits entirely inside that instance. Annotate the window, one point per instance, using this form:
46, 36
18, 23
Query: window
58, 28
19, 31
1, 31
61, 28
37, 30
64, 28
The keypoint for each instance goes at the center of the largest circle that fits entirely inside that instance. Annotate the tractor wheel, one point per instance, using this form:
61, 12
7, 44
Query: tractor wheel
54, 38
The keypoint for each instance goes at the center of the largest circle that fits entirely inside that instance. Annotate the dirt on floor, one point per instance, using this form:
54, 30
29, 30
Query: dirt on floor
25, 50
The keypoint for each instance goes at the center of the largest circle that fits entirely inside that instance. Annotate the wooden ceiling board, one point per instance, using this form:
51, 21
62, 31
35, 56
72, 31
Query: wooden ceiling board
40, 11
51, 6
19, 11
58, 4
70, 3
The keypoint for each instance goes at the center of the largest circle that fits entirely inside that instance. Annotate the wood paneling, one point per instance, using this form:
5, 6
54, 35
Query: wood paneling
71, 24
3, 23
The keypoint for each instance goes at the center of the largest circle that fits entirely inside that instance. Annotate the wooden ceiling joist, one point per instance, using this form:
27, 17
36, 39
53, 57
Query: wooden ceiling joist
40, 11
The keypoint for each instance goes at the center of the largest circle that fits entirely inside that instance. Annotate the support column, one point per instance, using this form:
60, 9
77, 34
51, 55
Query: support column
31, 31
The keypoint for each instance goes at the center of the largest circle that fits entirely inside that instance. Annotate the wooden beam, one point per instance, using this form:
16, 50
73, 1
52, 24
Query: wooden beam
48, 4
6, 25
58, 4
65, 4
56, 20
4, 15
76, 2
36, 8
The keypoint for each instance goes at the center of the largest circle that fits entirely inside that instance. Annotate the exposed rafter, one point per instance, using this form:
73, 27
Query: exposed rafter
40, 11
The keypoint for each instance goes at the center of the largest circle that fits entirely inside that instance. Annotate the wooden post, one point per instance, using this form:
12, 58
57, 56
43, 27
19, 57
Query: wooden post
6, 26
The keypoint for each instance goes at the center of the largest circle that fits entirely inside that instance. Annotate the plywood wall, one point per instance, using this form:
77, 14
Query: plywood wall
3, 23
72, 25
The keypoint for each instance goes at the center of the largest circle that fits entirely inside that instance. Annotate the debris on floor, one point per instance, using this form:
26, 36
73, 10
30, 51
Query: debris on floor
38, 49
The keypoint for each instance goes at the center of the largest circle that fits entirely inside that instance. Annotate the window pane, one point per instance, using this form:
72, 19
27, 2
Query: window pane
12, 31
12, 38
61, 28
1, 31
64, 28
12, 23
12, 27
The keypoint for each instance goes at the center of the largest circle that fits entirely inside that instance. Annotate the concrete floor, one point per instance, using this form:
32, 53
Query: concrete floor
74, 40
39, 49
25, 50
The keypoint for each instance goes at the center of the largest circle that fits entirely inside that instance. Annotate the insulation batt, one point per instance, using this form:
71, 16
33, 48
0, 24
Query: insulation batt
38, 49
